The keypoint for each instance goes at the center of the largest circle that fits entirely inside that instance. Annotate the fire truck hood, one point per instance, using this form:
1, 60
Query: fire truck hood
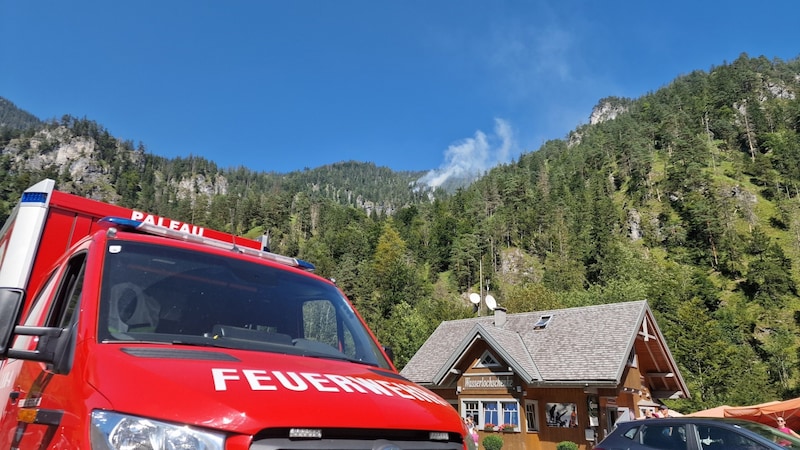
245, 391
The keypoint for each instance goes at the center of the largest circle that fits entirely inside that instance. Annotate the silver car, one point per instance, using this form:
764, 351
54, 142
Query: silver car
696, 433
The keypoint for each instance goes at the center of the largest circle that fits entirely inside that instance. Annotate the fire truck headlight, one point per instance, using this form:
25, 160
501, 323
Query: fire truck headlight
114, 431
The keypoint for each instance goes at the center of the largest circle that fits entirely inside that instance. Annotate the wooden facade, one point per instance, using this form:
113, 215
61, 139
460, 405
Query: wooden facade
481, 380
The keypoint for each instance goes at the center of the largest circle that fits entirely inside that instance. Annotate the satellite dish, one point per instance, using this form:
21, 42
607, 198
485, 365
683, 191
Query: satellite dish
474, 298
491, 303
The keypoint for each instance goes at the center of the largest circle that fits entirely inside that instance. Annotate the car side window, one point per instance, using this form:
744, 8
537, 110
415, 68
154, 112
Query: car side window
59, 311
69, 292
37, 314
631, 434
718, 438
664, 437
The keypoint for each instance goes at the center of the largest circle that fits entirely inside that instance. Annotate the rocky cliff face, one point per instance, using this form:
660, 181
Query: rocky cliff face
606, 110
57, 150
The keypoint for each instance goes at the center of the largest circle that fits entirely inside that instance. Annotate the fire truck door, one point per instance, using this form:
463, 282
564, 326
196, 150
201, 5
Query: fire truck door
36, 400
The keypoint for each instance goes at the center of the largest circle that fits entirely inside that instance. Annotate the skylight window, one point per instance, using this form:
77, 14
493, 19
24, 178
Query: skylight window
542, 323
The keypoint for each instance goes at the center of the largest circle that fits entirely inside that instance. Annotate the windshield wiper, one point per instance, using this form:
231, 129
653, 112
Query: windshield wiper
340, 357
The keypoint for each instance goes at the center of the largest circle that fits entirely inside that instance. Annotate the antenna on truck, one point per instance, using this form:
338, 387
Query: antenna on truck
233, 226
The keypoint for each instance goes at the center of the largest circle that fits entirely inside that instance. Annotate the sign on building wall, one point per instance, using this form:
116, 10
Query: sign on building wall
488, 382
562, 415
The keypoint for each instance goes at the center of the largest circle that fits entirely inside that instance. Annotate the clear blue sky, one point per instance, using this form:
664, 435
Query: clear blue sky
407, 84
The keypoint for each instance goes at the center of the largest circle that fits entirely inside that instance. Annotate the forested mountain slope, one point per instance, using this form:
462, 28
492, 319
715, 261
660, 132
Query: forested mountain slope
686, 197
87, 160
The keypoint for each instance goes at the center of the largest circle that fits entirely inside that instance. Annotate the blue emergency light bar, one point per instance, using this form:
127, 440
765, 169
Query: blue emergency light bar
123, 224
33, 197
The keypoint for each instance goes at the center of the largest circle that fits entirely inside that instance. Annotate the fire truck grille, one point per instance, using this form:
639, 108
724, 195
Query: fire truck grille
357, 439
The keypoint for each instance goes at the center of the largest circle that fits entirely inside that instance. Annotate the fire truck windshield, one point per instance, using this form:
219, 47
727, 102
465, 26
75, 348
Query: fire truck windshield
172, 295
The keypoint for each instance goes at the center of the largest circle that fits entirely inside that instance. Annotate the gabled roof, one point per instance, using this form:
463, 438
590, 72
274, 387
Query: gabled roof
507, 344
587, 345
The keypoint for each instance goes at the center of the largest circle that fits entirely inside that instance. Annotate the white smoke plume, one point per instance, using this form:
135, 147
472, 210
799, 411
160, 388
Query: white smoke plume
471, 157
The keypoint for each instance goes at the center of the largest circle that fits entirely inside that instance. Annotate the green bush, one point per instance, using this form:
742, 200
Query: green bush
492, 442
566, 445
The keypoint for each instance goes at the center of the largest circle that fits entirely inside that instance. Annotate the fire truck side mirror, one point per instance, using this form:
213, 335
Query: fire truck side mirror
10, 311
63, 350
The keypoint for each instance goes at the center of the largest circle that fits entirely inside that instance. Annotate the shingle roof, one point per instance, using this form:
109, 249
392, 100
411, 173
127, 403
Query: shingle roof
579, 344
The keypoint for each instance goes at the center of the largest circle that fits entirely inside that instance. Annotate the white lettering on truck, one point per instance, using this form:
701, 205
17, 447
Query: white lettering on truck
167, 223
264, 380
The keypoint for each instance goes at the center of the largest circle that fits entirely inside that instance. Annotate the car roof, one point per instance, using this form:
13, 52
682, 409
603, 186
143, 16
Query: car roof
689, 419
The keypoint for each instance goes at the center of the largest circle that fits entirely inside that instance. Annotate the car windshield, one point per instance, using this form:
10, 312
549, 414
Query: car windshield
175, 296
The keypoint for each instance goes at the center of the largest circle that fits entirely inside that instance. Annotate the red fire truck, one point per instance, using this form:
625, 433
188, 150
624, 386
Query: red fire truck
124, 330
